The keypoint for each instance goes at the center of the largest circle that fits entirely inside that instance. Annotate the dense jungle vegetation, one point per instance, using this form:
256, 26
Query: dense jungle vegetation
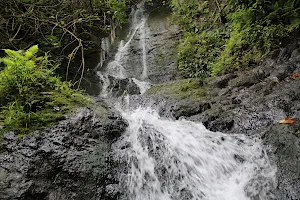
32, 96
66, 29
219, 36
222, 36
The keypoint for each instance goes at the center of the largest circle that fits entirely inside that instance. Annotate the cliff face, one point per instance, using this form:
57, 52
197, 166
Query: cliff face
68, 161
154, 46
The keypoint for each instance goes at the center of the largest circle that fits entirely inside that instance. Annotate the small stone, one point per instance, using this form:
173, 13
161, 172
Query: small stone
9, 136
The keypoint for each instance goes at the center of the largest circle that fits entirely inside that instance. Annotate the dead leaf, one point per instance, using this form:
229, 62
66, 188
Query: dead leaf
294, 76
287, 121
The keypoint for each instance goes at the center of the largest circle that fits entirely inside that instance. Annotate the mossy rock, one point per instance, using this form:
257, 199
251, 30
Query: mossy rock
100, 109
180, 89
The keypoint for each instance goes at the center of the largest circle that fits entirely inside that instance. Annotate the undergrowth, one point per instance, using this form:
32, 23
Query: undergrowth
223, 36
31, 96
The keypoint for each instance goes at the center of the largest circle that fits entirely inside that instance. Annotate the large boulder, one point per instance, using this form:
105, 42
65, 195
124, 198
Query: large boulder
67, 161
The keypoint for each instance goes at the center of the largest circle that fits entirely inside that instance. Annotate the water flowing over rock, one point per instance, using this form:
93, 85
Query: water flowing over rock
147, 54
165, 159
183, 160
219, 141
252, 103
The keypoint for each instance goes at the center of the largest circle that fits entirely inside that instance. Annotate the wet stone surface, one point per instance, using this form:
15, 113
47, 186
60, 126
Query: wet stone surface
68, 161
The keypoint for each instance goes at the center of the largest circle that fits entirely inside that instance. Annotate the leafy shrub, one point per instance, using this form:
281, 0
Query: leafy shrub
197, 52
255, 27
31, 97
226, 35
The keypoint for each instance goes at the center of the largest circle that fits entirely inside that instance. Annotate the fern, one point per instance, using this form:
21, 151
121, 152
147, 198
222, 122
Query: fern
24, 79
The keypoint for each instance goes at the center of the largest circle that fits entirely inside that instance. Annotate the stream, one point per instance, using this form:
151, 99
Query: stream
178, 160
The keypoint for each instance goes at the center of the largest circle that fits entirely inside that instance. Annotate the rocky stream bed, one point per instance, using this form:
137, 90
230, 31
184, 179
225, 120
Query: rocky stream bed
71, 160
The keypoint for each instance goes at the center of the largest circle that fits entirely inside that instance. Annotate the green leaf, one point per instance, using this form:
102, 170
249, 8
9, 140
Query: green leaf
13, 54
31, 51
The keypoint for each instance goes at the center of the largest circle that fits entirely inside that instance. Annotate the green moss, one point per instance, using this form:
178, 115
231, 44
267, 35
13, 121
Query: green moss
159, 59
180, 89
100, 109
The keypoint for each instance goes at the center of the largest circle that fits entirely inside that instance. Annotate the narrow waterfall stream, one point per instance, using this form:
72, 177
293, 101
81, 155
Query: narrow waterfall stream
119, 68
180, 160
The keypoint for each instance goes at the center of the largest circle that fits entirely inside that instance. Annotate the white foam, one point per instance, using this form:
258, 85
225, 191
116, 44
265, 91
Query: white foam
183, 160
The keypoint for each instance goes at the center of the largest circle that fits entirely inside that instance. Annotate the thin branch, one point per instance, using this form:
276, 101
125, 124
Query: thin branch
220, 10
83, 66
74, 50
11, 39
67, 46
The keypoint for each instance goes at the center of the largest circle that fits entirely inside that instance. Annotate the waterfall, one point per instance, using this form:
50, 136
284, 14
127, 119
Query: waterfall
182, 160
179, 160
118, 68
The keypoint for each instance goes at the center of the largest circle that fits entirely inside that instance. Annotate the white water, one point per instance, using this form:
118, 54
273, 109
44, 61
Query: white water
117, 67
143, 85
182, 160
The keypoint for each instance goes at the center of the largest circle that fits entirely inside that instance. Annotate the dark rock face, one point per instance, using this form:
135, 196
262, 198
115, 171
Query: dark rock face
253, 102
285, 141
119, 86
162, 45
68, 161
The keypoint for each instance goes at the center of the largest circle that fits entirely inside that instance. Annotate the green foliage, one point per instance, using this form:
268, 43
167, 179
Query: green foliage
226, 35
203, 39
59, 27
115, 8
31, 97
256, 28
199, 51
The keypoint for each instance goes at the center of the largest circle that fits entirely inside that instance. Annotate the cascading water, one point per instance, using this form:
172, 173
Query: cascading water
180, 160
118, 68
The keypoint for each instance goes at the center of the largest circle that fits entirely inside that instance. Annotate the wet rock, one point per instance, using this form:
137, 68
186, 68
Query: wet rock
221, 81
247, 79
285, 152
161, 55
112, 191
119, 87
68, 161
189, 108
295, 57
